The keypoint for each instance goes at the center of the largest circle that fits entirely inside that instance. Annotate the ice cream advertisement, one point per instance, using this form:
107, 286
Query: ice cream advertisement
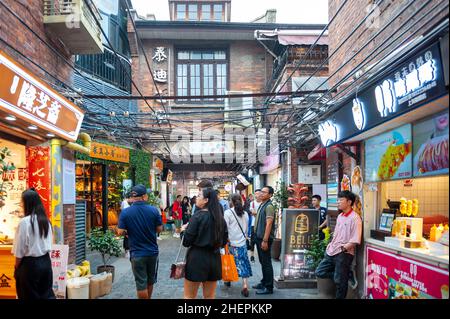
391, 276
388, 156
431, 146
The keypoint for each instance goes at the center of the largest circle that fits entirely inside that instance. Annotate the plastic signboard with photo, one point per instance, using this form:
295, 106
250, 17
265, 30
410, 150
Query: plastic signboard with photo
298, 228
388, 156
59, 257
430, 146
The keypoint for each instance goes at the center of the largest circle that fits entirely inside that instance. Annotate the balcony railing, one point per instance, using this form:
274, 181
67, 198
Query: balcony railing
292, 56
74, 23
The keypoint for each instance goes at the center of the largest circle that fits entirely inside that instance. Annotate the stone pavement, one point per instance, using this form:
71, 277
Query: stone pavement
166, 288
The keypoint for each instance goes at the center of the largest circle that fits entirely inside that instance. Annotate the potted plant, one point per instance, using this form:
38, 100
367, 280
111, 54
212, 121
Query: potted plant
279, 201
108, 245
314, 256
5, 166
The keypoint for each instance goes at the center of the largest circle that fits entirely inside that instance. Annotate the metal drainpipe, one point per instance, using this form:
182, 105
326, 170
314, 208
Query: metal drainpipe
56, 184
56, 204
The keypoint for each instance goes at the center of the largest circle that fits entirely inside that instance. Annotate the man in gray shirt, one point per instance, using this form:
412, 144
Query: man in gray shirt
264, 235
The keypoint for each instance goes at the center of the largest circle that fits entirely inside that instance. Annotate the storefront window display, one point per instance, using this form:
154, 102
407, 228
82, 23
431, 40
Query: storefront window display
89, 186
13, 181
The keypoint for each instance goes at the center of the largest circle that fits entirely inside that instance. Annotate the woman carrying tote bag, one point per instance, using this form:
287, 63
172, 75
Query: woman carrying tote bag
237, 225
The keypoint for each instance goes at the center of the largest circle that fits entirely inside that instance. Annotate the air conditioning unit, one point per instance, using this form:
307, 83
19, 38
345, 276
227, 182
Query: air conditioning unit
237, 112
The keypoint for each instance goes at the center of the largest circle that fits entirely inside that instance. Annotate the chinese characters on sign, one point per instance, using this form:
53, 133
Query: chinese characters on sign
159, 57
30, 99
59, 257
411, 81
109, 152
38, 159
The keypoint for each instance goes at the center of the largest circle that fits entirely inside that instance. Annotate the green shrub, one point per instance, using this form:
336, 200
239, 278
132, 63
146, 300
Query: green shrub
106, 243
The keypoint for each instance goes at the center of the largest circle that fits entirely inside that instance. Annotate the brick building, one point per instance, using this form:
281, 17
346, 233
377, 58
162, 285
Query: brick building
371, 44
41, 37
201, 52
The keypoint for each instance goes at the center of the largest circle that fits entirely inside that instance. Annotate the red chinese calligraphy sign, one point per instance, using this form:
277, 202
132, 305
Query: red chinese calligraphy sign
390, 276
39, 174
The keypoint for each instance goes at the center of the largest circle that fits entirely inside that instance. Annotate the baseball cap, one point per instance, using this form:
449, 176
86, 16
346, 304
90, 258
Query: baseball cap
138, 191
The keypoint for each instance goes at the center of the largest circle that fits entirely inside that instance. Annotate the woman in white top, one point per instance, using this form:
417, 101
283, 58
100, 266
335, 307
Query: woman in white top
32, 244
237, 224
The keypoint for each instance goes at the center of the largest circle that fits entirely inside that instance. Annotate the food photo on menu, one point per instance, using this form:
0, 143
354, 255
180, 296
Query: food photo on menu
431, 146
388, 156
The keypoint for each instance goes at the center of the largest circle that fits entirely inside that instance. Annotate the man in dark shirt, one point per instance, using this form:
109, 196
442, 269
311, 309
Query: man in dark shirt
142, 222
264, 235
316, 199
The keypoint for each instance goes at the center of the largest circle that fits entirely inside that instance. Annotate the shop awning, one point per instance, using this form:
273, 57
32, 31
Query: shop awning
293, 37
318, 153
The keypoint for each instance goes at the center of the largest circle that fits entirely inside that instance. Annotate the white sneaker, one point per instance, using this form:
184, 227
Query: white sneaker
127, 254
159, 238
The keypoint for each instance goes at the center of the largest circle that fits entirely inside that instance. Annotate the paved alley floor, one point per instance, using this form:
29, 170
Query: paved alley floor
166, 288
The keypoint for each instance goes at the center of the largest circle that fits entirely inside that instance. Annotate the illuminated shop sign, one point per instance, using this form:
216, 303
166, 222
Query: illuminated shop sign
24, 95
410, 85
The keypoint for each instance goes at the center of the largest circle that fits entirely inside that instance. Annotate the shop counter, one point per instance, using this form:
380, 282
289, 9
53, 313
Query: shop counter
403, 273
7, 281
420, 254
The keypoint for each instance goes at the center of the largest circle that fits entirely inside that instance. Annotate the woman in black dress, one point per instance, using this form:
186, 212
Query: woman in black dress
186, 209
205, 234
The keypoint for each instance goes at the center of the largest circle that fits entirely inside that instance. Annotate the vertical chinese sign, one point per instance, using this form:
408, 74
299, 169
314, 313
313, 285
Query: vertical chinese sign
39, 174
59, 257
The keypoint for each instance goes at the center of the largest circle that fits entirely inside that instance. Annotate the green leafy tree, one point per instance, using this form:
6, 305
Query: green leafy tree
106, 243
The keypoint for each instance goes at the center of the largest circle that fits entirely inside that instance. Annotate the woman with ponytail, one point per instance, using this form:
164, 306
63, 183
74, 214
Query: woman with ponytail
205, 234
237, 225
32, 244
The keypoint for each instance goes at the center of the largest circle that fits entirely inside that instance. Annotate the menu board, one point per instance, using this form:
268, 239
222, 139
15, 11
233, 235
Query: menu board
299, 226
332, 178
430, 146
388, 156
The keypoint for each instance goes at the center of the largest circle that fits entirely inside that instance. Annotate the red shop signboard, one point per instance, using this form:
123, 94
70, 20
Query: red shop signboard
39, 174
390, 276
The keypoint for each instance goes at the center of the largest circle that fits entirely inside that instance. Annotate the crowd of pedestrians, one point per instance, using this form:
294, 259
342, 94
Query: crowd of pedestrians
205, 225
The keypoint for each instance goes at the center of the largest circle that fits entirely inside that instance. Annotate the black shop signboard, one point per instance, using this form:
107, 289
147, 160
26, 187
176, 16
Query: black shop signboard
298, 228
409, 85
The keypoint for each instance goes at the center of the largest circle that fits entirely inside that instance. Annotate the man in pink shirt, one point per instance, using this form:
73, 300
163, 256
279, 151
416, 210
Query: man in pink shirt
341, 250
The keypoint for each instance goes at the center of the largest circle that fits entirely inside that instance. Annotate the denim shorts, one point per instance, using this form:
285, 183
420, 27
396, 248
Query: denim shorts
145, 271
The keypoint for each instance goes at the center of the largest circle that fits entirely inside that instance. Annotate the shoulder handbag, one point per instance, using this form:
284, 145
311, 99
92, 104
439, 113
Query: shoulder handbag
247, 241
177, 269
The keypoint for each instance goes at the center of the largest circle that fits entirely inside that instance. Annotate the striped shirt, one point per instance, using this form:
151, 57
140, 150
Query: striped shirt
348, 230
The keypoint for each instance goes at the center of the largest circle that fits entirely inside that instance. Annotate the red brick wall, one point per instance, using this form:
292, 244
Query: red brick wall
69, 231
351, 15
18, 36
247, 72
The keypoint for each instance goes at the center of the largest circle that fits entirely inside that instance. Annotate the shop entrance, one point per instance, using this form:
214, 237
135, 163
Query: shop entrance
101, 187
